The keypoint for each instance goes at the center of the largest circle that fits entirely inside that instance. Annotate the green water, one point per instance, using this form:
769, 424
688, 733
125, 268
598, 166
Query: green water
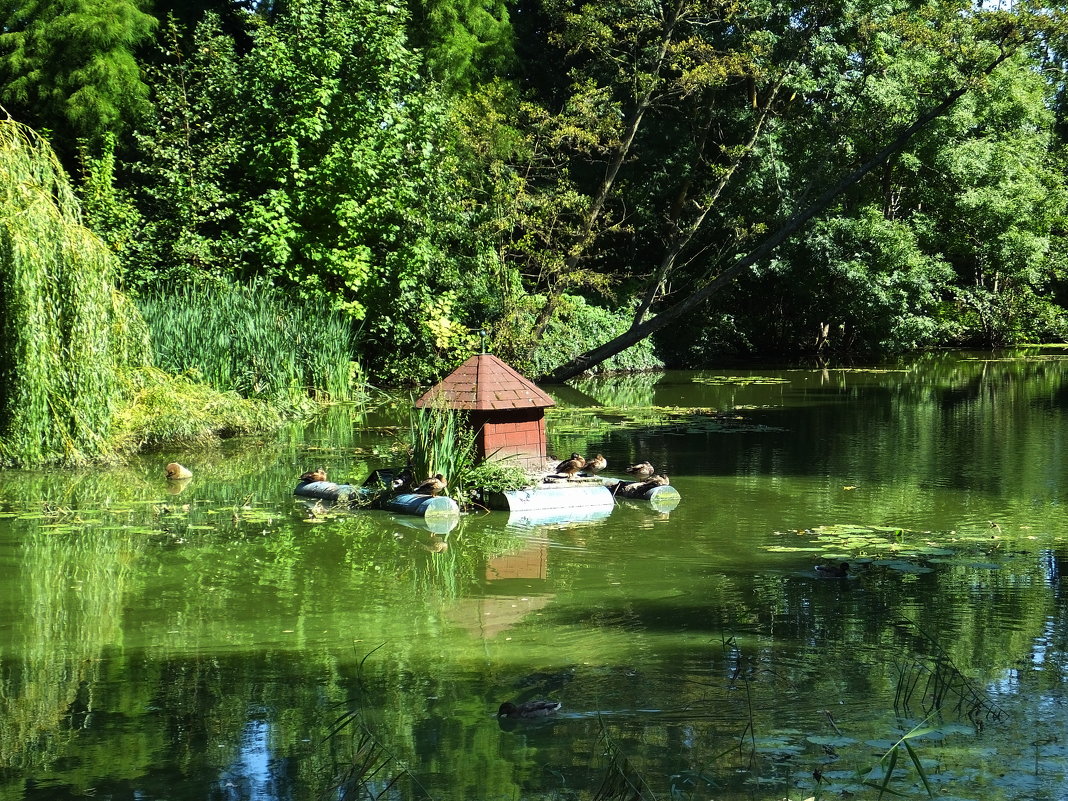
221, 644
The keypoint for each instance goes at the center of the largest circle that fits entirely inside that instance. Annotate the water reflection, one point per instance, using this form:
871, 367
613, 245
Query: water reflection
207, 645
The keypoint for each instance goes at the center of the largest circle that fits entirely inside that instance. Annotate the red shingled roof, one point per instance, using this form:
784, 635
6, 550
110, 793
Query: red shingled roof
485, 382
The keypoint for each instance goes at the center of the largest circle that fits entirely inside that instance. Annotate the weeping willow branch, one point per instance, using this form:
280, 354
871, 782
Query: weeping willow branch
65, 332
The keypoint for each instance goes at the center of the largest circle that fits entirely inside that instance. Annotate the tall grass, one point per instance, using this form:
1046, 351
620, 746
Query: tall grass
442, 442
253, 340
66, 334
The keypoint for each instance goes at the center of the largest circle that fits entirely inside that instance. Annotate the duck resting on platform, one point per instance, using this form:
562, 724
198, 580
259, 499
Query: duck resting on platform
595, 465
528, 709
431, 486
319, 474
571, 466
641, 469
404, 479
637, 489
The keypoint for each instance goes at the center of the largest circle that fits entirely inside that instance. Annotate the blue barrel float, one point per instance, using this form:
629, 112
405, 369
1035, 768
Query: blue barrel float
408, 503
579, 496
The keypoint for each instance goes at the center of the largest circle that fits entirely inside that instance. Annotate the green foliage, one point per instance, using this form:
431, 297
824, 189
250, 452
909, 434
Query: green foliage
252, 340
575, 327
465, 41
496, 476
66, 334
346, 187
176, 411
108, 210
70, 66
867, 278
442, 442
187, 189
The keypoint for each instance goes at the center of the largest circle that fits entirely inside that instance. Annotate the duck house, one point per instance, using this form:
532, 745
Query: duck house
504, 409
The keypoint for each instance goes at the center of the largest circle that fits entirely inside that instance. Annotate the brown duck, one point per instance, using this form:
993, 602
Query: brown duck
432, 486
571, 466
596, 464
319, 474
175, 472
641, 470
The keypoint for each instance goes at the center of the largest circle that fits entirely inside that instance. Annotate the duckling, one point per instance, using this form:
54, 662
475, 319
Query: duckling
833, 571
175, 472
318, 474
596, 464
528, 709
571, 466
641, 469
431, 486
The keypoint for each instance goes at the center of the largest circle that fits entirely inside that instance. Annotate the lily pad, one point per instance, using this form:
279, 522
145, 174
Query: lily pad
741, 380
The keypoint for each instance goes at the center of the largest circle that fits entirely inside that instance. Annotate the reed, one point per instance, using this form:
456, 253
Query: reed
253, 340
66, 334
441, 442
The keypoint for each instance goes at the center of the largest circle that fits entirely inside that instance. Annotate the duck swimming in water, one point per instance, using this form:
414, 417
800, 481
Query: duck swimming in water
528, 709
175, 472
840, 570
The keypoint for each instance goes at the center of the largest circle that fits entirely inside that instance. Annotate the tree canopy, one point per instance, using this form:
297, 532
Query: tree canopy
705, 178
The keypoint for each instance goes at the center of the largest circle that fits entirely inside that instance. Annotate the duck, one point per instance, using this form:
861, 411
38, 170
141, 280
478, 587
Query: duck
637, 489
840, 570
176, 472
641, 469
319, 474
596, 464
431, 486
435, 544
528, 709
403, 480
571, 466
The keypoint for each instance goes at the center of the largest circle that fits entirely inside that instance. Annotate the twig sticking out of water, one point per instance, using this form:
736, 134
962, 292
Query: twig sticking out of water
371, 771
621, 781
944, 687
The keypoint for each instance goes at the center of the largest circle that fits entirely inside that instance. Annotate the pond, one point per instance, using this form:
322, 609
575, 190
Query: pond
226, 643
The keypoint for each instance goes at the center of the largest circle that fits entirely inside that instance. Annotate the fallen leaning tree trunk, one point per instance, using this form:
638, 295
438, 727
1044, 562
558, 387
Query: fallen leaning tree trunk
640, 330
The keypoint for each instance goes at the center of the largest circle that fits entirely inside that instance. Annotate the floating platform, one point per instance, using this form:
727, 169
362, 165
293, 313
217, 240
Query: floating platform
426, 506
409, 503
663, 494
585, 497
327, 491
560, 500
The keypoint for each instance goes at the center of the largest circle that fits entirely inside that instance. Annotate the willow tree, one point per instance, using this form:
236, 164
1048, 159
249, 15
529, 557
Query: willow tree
65, 332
